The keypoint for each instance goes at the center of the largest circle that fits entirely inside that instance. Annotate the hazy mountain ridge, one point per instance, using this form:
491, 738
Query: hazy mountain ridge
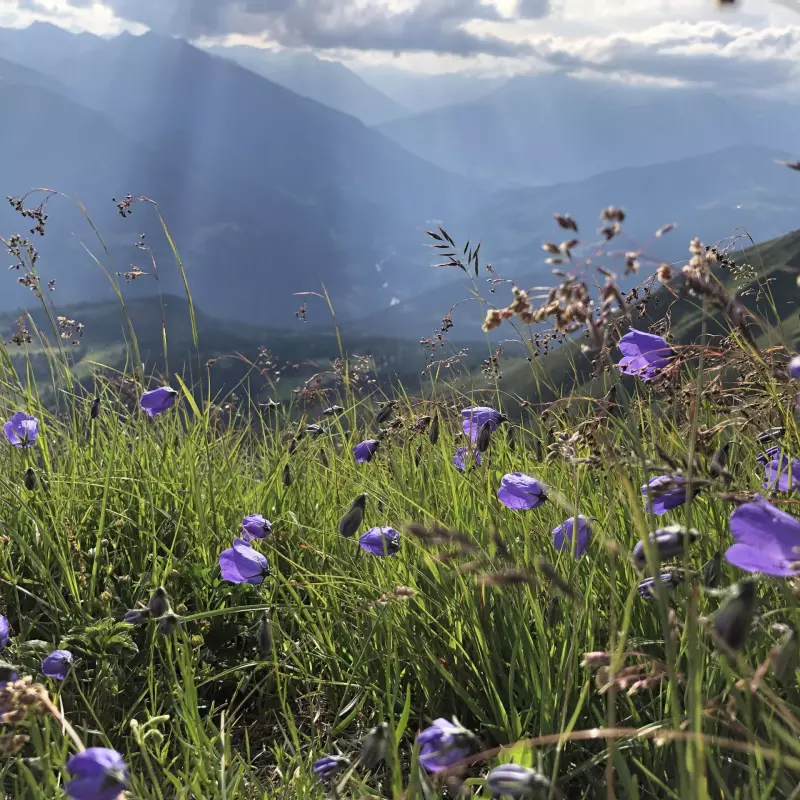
266, 193
328, 82
551, 128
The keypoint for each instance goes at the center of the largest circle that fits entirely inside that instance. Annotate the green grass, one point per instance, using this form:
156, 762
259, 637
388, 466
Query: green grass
124, 504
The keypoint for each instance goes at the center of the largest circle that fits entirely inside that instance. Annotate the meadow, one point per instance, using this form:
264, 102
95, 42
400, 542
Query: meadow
539, 599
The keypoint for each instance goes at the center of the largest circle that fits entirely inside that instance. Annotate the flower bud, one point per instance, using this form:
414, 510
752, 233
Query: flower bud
433, 430
512, 780
484, 436
29, 479
265, 635
732, 622
159, 603
168, 624
373, 748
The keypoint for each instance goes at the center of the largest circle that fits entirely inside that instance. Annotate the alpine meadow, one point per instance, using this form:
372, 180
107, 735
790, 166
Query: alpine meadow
400, 401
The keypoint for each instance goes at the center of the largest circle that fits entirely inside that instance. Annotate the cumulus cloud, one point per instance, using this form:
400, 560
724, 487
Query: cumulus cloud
411, 26
706, 52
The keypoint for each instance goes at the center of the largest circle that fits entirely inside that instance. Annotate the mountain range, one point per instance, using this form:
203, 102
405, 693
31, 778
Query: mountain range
268, 192
552, 128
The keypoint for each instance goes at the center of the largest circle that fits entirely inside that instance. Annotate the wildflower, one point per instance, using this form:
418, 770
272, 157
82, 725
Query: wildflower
766, 539
732, 622
668, 580
459, 458
664, 492
255, 527
351, 521
562, 535
168, 624
365, 450
512, 780
242, 564
57, 664
484, 437
136, 616
794, 367
5, 630
443, 744
327, 766
771, 434
781, 473
21, 430
373, 748
158, 605
520, 492
383, 541
157, 401
644, 354
475, 417
768, 455
98, 774
667, 542
665, 273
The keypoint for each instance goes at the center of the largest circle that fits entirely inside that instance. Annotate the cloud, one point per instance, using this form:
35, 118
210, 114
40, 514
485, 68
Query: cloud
413, 26
706, 52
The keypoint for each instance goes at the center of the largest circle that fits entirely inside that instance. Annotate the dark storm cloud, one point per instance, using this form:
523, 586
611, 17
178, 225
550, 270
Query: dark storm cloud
430, 25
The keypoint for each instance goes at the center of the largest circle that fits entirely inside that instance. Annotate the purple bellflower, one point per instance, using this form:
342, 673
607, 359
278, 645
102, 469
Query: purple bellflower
5, 632
794, 367
520, 492
242, 564
644, 354
21, 430
461, 456
157, 401
57, 664
475, 417
255, 527
647, 588
766, 540
384, 541
97, 774
365, 450
326, 767
562, 535
443, 744
781, 473
663, 493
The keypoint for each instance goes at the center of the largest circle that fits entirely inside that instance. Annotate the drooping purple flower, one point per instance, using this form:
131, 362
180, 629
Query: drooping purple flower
328, 766
520, 492
383, 541
365, 450
663, 493
21, 430
461, 456
794, 367
157, 401
768, 455
766, 539
781, 473
443, 744
644, 354
98, 773
514, 780
562, 535
647, 588
667, 542
5, 632
57, 664
475, 417
255, 527
242, 564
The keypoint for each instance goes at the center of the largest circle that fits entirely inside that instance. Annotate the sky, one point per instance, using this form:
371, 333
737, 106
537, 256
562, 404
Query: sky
748, 44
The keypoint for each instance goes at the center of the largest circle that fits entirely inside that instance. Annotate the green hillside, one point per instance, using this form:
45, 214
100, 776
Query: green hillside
764, 280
